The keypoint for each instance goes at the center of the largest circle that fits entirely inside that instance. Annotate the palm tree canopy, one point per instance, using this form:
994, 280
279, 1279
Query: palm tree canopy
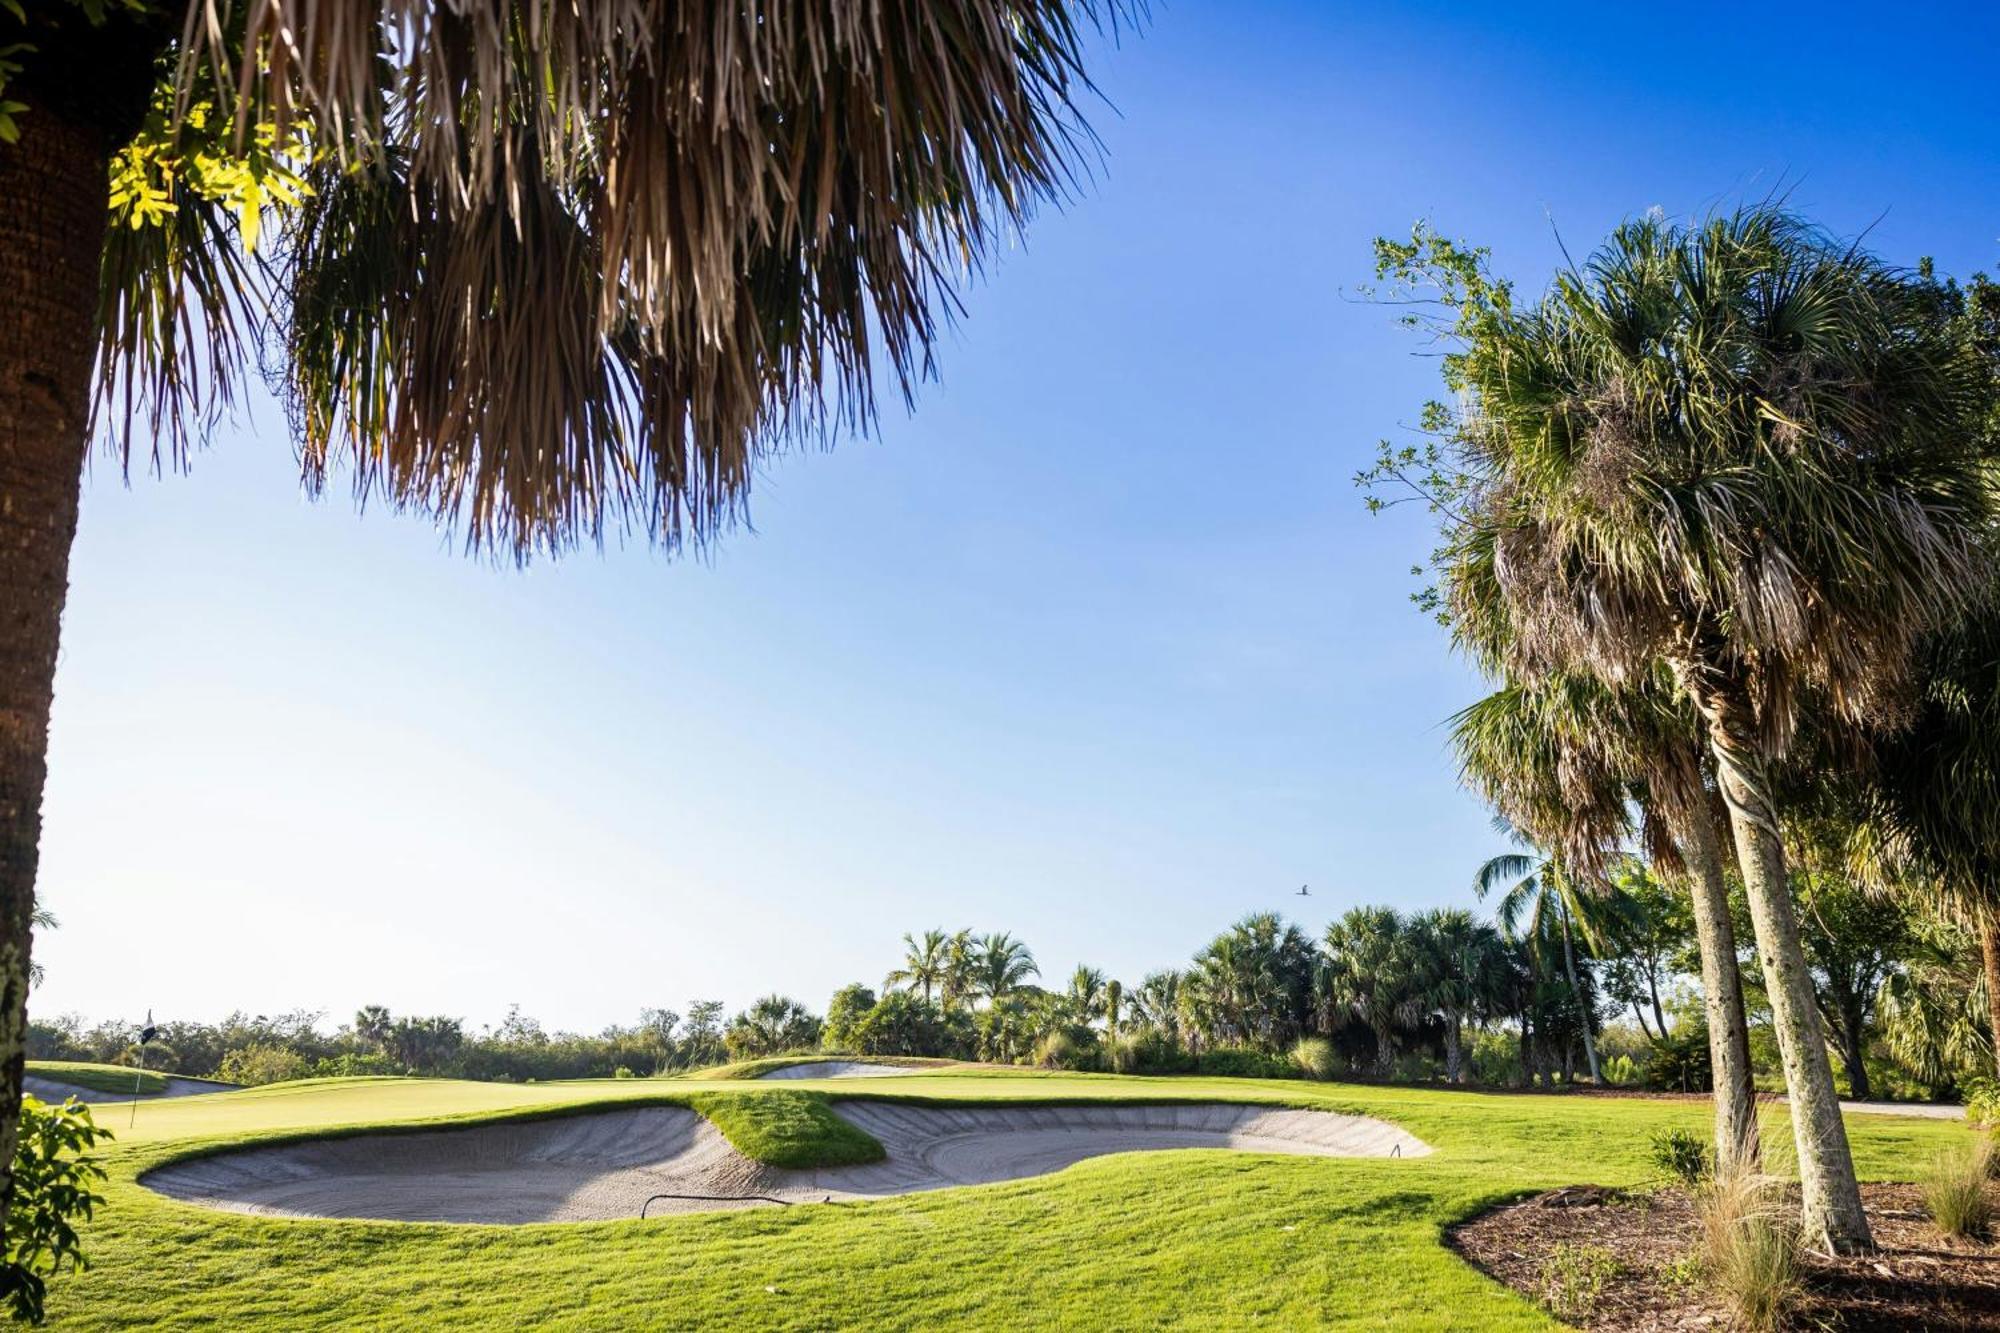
538, 269
1739, 442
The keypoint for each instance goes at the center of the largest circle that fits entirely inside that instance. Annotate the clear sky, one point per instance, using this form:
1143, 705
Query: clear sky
1097, 646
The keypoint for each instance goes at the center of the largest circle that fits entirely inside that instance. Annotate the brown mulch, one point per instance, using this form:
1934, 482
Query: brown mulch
1641, 1245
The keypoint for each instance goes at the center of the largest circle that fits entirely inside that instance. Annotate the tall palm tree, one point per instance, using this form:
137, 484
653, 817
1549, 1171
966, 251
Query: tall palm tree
1369, 972
1538, 895
1754, 456
1460, 969
536, 270
1004, 966
960, 977
1564, 758
924, 966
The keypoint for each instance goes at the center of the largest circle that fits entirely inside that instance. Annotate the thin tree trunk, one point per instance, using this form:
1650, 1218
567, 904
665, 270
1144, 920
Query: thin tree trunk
53, 187
1736, 1140
1653, 989
1989, 951
1832, 1214
1454, 1058
1582, 1004
1639, 1013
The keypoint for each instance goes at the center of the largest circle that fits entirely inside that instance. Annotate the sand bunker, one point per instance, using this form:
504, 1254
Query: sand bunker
55, 1091
840, 1069
606, 1164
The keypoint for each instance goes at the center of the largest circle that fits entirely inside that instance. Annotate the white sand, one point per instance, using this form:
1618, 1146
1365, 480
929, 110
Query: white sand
50, 1090
605, 1165
840, 1069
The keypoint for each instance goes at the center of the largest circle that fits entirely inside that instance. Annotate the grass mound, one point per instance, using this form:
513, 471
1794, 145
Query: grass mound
785, 1128
99, 1078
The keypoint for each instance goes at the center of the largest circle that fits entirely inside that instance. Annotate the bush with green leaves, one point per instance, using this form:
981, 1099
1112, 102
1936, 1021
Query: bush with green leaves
54, 1172
1982, 1102
1682, 1154
254, 1066
1244, 1062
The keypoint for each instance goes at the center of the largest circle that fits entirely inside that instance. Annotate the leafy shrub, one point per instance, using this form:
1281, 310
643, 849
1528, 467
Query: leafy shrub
1242, 1062
1315, 1058
53, 1175
255, 1065
1065, 1050
1982, 1102
1155, 1052
355, 1064
1495, 1059
1682, 1154
1573, 1277
1750, 1248
1680, 1061
1954, 1188
1620, 1071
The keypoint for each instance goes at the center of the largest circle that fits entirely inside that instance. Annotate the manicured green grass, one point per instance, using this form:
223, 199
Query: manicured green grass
787, 1128
1193, 1240
99, 1078
759, 1068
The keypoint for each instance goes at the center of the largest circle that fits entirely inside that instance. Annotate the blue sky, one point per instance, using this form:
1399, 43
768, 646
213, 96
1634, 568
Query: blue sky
1097, 646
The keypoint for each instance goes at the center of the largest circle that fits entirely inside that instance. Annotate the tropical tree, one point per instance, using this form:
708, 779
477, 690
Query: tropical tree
1157, 1002
1253, 984
1755, 457
772, 1023
960, 978
1565, 758
1003, 966
1935, 797
1085, 996
535, 270
372, 1024
1540, 897
1934, 1014
1369, 971
925, 961
1460, 973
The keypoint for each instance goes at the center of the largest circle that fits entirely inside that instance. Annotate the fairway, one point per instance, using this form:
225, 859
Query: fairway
1189, 1239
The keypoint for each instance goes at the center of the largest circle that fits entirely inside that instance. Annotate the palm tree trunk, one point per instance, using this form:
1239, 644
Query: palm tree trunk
1989, 951
1736, 1140
1582, 1005
53, 188
1833, 1217
1454, 1049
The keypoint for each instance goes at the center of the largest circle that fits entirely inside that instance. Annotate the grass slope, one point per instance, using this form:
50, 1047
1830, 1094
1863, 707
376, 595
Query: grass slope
744, 1069
1160, 1240
99, 1078
787, 1128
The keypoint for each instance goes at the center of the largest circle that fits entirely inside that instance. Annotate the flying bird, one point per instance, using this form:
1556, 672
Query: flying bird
1304, 892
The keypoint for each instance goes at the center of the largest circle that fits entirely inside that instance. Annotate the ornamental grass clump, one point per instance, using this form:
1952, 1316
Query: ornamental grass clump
1954, 1189
1315, 1058
1750, 1247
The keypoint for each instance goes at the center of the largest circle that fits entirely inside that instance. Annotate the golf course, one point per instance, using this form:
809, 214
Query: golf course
1197, 1238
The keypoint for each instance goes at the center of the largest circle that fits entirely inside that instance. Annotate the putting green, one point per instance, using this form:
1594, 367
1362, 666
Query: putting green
1152, 1239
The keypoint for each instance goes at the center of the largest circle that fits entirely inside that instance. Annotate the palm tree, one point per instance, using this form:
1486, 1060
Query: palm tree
961, 969
1369, 972
1935, 793
1460, 974
924, 964
1538, 894
1085, 996
1565, 758
536, 272
373, 1025
1157, 1002
1752, 455
1004, 965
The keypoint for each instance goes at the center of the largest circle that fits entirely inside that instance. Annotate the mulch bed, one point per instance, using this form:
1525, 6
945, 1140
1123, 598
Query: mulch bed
1635, 1249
